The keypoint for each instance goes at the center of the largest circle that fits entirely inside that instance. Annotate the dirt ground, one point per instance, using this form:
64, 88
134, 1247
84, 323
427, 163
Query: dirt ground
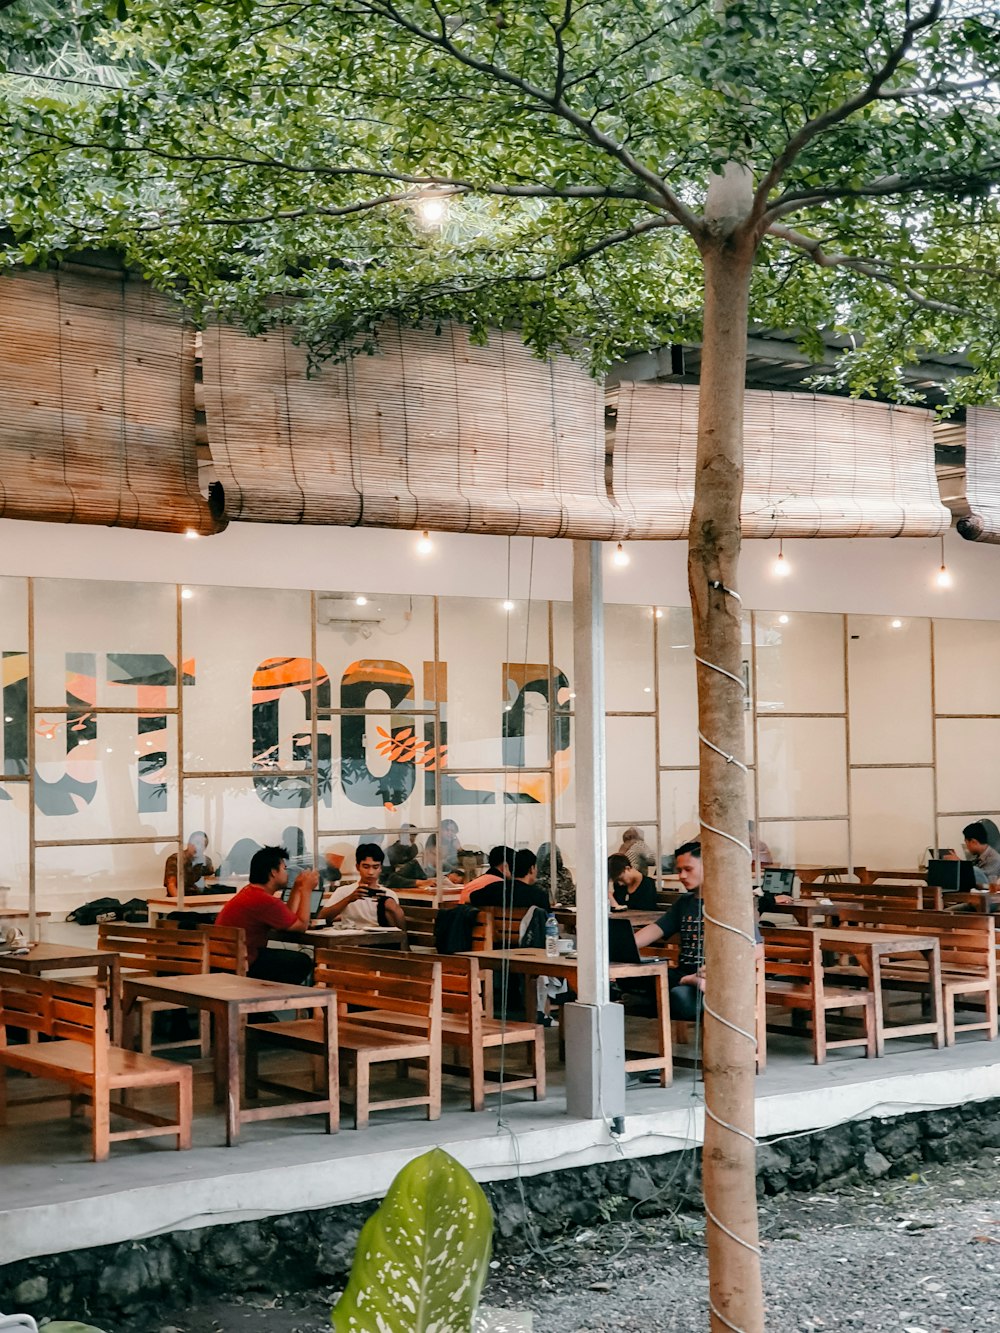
920, 1255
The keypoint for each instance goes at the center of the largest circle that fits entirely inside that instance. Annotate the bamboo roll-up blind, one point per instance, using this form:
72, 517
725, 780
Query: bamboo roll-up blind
98, 420
431, 432
815, 466
982, 475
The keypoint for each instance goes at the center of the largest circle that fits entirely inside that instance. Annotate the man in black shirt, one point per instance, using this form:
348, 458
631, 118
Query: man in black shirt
520, 892
685, 918
629, 888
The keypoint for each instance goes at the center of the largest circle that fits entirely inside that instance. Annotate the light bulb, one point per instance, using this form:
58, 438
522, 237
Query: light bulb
191, 535
361, 600
8, 719
187, 594
782, 620
943, 578
508, 605
897, 624
425, 546
659, 614
781, 568
621, 556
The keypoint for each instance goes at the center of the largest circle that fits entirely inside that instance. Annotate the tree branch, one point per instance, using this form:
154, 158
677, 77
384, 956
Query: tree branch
984, 176
813, 247
556, 105
820, 124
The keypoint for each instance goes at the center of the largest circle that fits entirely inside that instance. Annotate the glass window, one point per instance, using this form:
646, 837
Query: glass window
105, 775
13, 677
800, 662
14, 798
239, 815
802, 767
248, 672
105, 644
379, 655
631, 770
628, 659
65, 877
968, 775
679, 688
807, 842
892, 816
494, 667
890, 679
964, 650
378, 770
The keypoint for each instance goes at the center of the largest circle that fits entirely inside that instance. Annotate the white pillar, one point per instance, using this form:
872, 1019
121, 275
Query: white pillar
595, 1029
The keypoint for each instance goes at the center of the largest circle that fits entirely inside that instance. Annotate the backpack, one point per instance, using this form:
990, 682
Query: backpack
531, 934
135, 910
453, 928
97, 910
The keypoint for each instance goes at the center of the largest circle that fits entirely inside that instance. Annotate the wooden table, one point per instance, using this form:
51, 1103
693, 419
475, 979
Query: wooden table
43, 958
809, 874
369, 937
867, 876
193, 902
870, 947
537, 963
229, 999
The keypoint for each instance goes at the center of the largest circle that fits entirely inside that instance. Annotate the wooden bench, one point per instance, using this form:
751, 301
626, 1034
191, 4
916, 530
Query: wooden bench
466, 1028
901, 897
81, 1055
968, 959
794, 979
406, 985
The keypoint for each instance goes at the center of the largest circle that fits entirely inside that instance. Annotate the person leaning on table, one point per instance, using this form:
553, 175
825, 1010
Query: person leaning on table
985, 859
257, 909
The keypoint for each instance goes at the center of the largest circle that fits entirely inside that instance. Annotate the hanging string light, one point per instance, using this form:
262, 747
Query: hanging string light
621, 557
943, 577
781, 568
425, 546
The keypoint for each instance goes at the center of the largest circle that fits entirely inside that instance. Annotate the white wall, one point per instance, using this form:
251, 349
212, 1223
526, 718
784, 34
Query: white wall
876, 577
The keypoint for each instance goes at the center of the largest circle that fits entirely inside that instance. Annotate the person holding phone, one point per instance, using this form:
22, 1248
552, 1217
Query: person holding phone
367, 903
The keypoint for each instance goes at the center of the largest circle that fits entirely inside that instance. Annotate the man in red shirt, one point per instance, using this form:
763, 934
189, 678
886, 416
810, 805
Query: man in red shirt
258, 909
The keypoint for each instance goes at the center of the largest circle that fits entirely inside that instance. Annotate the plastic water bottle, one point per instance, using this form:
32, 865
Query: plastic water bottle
551, 936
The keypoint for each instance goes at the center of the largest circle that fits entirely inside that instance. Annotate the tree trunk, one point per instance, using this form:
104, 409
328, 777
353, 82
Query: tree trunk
713, 561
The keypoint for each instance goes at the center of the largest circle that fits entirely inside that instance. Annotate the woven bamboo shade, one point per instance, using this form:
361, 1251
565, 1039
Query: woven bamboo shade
982, 475
97, 422
431, 432
815, 466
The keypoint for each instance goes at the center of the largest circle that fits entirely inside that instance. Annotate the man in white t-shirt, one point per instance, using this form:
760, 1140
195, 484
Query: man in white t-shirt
367, 903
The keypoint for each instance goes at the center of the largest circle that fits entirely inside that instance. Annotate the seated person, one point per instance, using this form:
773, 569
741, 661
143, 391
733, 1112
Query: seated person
197, 864
329, 870
257, 909
499, 867
686, 980
404, 847
637, 850
985, 859
629, 888
407, 872
367, 903
521, 891
561, 890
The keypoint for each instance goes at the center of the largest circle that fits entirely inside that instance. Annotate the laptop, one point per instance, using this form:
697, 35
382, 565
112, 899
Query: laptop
315, 901
778, 879
622, 947
951, 876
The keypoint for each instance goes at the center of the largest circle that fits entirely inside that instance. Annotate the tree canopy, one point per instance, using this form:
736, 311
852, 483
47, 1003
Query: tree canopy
256, 151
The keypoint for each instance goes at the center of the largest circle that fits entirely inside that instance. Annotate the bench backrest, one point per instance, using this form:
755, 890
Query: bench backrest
903, 896
420, 918
56, 1009
968, 941
461, 979
501, 926
793, 955
226, 949
163, 950
400, 983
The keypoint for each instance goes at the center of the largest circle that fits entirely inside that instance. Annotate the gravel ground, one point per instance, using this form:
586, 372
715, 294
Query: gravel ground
914, 1256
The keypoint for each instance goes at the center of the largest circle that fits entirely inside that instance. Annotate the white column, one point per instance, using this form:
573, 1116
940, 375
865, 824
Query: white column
595, 1030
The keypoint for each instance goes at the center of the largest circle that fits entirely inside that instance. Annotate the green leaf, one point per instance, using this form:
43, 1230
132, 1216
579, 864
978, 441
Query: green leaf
422, 1257
122, 11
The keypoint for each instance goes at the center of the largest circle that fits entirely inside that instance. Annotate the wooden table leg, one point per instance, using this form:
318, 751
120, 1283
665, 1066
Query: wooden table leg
332, 1068
875, 981
234, 1073
219, 1084
112, 973
934, 973
663, 1027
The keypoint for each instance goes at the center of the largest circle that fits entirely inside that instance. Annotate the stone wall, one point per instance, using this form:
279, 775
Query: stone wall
300, 1250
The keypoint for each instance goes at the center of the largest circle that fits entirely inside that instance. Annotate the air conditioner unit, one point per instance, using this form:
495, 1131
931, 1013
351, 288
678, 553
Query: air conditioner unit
344, 611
